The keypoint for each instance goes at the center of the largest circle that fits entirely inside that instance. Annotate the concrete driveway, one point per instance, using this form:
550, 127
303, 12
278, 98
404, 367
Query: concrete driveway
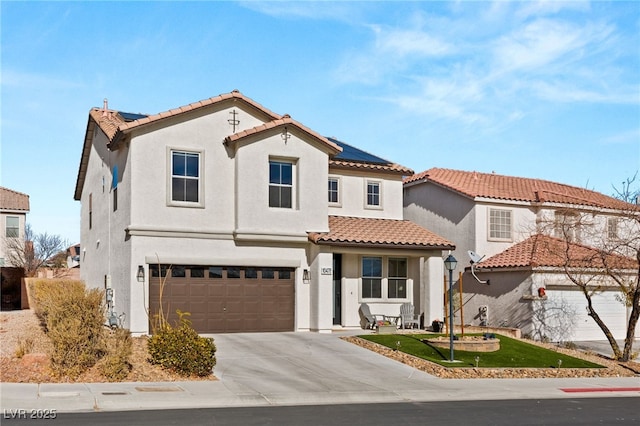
603, 347
315, 366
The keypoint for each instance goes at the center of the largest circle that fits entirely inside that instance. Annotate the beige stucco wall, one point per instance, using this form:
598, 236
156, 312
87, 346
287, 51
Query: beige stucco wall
353, 191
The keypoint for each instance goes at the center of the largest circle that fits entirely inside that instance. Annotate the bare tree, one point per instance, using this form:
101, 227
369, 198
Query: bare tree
598, 251
34, 251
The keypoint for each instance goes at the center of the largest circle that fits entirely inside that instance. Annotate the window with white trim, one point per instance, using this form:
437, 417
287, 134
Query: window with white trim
397, 281
334, 190
371, 277
500, 224
567, 225
185, 176
12, 227
280, 184
373, 194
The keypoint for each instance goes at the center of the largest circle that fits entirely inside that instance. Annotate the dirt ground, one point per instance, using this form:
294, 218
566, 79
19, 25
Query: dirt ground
16, 327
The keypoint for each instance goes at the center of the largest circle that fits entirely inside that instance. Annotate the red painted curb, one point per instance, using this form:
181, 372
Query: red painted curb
577, 390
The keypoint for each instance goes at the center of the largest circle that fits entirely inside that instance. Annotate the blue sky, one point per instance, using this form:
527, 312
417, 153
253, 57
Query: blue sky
547, 90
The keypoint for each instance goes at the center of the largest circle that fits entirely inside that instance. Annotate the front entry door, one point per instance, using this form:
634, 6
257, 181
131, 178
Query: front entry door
337, 288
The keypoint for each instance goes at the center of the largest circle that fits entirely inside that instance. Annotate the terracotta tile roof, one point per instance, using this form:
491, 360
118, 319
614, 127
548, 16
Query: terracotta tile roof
369, 232
115, 126
286, 120
13, 200
391, 167
490, 185
108, 120
234, 95
545, 251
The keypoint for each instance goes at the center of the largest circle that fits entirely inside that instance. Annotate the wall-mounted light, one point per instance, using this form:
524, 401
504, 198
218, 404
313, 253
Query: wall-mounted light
305, 276
140, 275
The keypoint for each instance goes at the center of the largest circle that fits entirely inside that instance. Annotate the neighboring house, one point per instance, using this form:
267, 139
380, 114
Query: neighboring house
14, 207
73, 256
264, 224
501, 219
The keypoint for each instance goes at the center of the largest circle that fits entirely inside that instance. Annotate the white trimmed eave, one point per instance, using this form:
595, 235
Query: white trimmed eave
221, 261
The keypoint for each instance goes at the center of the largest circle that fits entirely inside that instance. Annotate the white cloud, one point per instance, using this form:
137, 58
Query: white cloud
339, 11
625, 137
549, 7
542, 43
39, 82
407, 43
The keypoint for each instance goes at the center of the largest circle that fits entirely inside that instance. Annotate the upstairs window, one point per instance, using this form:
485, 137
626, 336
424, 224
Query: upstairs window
280, 184
373, 194
612, 228
334, 194
12, 227
500, 224
185, 176
567, 225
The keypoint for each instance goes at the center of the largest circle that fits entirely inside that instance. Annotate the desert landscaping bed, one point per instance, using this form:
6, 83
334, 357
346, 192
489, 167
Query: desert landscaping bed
18, 326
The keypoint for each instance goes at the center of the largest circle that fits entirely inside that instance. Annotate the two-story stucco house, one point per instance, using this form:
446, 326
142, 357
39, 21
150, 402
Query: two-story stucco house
14, 207
248, 220
516, 225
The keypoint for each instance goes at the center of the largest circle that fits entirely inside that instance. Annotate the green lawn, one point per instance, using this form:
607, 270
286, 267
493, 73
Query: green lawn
512, 354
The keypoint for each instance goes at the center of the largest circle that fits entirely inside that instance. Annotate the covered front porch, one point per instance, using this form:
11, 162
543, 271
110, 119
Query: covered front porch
379, 262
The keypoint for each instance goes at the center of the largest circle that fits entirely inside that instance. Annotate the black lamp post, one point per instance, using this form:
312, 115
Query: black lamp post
450, 264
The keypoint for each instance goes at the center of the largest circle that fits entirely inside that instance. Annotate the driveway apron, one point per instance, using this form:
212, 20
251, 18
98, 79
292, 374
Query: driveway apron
312, 366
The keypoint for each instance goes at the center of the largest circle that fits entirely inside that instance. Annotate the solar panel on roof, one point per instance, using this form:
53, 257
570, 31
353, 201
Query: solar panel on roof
351, 153
129, 116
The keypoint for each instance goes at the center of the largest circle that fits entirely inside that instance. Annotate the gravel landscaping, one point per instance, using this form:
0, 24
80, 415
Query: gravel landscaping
18, 327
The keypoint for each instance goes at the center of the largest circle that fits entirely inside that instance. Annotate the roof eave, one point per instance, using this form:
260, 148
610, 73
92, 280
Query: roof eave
384, 245
84, 158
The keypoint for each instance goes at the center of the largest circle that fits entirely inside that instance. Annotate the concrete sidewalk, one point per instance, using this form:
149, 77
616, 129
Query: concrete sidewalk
299, 369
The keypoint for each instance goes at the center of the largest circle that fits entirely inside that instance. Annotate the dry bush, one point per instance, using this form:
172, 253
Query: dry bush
25, 346
74, 319
47, 295
115, 365
179, 348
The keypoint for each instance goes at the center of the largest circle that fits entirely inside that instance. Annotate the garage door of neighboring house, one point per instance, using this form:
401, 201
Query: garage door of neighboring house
225, 299
567, 319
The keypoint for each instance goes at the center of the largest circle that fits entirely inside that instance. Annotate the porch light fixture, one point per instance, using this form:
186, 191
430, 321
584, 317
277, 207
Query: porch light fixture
450, 264
140, 275
305, 276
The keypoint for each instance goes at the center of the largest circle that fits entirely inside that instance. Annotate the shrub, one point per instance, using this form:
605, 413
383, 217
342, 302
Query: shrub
74, 320
25, 346
115, 365
47, 295
181, 349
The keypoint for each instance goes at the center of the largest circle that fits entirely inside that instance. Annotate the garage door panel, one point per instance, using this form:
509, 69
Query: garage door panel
566, 312
252, 289
176, 289
220, 303
216, 289
198, 290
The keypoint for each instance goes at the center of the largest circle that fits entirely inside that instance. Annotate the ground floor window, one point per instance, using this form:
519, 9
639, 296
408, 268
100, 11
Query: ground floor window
397, 288
371, 277
384, 277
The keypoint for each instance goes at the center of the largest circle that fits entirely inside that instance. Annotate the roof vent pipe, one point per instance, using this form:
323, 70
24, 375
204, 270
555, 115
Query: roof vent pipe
105, 107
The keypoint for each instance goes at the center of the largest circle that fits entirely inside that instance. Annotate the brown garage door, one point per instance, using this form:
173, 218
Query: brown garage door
225, 299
